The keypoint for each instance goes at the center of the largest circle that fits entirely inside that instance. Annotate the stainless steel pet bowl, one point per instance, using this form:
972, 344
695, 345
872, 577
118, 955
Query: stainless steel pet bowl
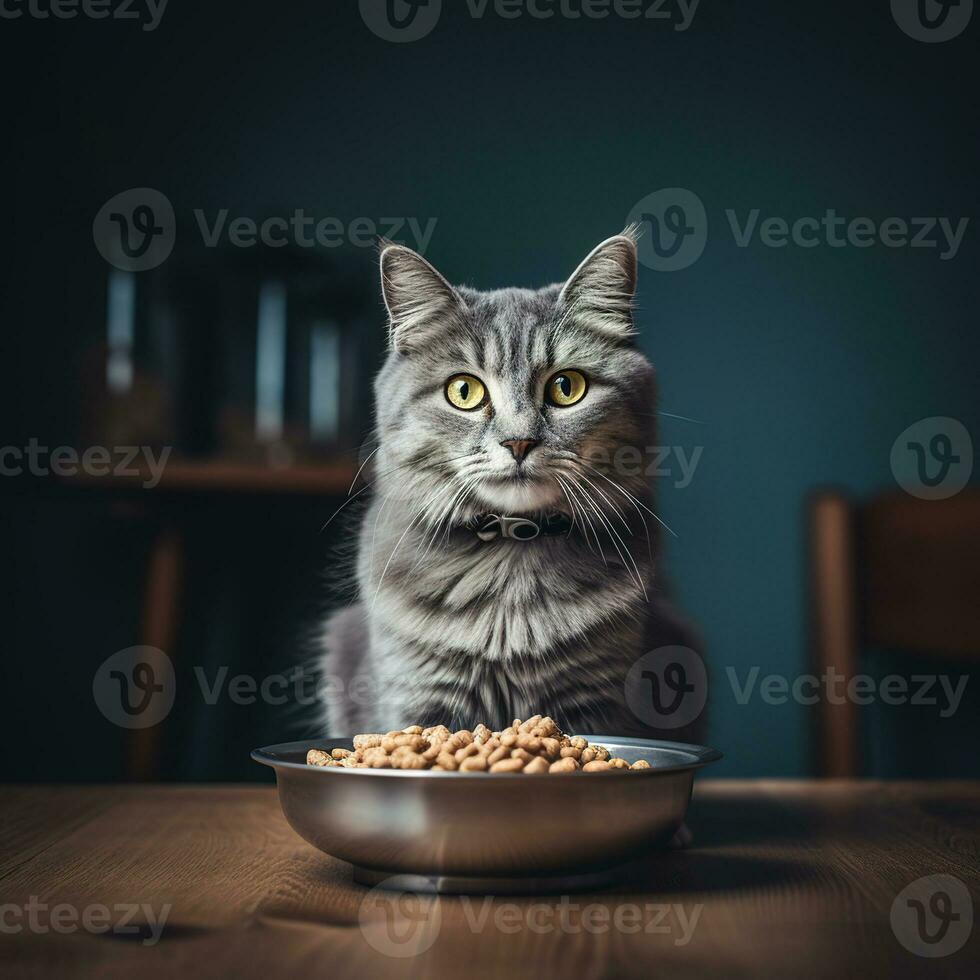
488, 832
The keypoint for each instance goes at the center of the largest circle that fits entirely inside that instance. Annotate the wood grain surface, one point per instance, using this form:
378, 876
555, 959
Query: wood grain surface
784, 879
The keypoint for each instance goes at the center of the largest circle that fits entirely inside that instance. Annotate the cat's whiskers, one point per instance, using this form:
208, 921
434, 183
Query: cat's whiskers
615, 538
588, 503
384, 502
646, 529
629, 530
349, 500
448, 509
367, 486
361, 468
611, 503
585, 514
418, 462
571, 507
671, 415
467, 490
423, 511
377, 520
577, 515
635, 501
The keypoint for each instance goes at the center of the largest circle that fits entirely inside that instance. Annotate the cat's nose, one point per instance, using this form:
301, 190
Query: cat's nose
519, 448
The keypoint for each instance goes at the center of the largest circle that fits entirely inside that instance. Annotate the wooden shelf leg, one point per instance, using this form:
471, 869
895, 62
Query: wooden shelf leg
161, 610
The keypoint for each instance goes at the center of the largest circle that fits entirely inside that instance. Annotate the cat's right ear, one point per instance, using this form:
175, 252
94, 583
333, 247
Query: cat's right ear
601, 289
420, 302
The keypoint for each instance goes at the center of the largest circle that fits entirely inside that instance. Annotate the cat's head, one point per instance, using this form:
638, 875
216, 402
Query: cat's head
503, 401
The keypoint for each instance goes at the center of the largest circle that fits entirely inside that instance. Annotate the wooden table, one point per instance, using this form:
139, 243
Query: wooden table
785, 879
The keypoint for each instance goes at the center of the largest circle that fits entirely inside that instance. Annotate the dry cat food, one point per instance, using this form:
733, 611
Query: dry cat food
536, 746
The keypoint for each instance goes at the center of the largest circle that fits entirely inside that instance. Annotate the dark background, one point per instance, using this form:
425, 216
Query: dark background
529, 141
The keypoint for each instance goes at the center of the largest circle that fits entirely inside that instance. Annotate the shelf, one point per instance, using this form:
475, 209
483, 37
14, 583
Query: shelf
333, 477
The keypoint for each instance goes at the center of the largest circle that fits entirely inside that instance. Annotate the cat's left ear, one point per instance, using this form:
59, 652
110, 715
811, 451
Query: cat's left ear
600, 291
421, 304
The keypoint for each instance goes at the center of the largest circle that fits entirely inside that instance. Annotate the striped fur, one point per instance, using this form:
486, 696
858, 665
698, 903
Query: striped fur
451, 629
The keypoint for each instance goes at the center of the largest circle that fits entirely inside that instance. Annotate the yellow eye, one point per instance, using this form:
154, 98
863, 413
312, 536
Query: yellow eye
566, 388
465, 392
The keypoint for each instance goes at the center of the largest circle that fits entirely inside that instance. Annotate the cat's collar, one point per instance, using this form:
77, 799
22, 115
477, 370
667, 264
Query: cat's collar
518, 527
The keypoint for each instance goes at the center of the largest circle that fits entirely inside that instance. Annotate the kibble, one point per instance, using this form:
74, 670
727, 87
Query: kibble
534, 746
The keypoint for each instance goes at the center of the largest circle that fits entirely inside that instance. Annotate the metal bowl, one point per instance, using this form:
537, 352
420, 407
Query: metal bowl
488, 832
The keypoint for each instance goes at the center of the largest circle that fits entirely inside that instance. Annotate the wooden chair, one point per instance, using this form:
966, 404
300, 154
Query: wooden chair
894, 573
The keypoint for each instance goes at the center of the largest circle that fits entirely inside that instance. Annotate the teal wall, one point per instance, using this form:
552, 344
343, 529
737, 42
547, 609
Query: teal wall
530, 141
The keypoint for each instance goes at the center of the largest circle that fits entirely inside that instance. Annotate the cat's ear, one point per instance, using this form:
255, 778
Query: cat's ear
600, 291
421, 304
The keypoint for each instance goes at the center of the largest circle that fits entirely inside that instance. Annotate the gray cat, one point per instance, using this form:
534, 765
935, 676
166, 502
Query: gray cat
504, 568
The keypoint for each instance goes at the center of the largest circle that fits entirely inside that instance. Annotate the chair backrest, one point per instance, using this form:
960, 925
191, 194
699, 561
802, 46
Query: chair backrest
895, 573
